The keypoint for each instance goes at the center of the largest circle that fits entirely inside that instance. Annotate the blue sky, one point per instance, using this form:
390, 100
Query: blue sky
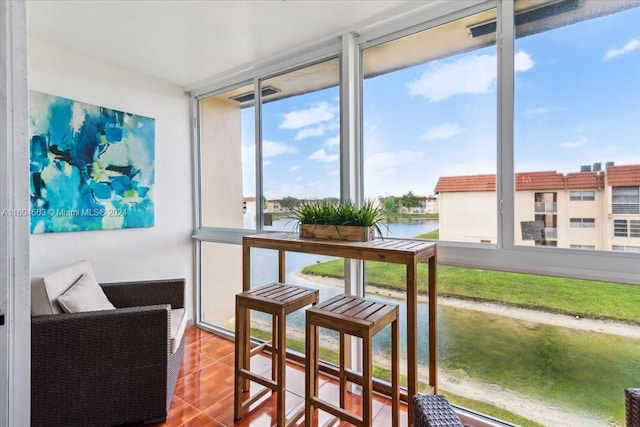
577, 102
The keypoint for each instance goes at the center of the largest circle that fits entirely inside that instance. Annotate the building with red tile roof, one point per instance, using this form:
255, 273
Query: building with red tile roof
591, 209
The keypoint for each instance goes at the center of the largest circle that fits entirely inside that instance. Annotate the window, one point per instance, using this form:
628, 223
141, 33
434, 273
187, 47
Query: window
625, 200
621, 248
429, 120
582, 195
225, 127
428, 105
582, 222
626, 228
300, 140
562, 113
620, 227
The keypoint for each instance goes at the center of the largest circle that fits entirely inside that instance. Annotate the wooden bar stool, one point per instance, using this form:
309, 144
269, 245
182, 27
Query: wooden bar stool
359, 317
277, 299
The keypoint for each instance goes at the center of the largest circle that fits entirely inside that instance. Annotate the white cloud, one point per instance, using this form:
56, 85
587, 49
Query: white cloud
266, 163
295, 168
390, 172
333, 172
309, 132
322, 156
522, 61
272, 149
631, 45
444, 131
471, 74
331, 142
574, 144
318, 113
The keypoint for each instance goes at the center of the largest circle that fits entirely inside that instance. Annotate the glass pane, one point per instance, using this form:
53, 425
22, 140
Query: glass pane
429, 133
300, 140
221, 280
555, 362
577, 98
264, 270
429, 140
226, 135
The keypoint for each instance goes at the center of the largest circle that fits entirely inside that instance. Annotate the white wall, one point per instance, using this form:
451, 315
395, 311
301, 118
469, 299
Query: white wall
162, 251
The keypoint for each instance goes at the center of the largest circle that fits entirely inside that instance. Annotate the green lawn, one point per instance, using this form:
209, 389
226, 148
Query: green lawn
584, 298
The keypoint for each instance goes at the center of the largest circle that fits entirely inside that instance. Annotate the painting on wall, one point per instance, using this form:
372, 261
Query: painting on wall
92, 168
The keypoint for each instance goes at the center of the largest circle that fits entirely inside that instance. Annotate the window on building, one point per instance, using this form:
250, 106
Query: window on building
582, 246
582, 195
626, 227
622, 248
620, 227
582, 222
625, 200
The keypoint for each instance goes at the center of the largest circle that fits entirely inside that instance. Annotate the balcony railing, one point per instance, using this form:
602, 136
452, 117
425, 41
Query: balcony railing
625, 208
550, 233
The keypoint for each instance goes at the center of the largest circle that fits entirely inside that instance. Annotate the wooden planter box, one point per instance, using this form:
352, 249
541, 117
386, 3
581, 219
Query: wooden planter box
337, 232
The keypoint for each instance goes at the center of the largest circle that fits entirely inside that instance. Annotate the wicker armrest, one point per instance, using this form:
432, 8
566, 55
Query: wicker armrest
433, 411
147, 292
101, 364
632, 403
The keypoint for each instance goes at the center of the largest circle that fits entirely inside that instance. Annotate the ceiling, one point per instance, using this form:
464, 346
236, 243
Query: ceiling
184, 42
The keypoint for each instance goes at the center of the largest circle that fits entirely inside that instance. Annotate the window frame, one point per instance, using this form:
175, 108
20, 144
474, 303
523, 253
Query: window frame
582, 195
597, 265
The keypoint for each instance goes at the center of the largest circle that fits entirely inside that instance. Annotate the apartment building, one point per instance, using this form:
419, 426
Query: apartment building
591, 209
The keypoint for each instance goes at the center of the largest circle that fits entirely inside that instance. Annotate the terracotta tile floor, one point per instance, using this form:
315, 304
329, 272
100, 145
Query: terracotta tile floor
204, 391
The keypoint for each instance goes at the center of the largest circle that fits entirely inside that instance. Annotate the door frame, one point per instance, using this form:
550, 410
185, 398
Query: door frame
15, 334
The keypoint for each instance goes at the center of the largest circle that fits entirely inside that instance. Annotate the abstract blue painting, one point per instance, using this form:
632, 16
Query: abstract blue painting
92, 168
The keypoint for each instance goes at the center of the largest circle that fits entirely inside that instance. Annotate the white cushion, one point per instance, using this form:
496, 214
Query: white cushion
85, 295
178, 325
46, 289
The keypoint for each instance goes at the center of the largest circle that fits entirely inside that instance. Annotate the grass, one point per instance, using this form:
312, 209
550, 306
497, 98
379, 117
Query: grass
576, 297
431, 235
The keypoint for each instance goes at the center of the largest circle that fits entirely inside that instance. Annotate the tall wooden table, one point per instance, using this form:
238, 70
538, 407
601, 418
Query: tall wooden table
407, 252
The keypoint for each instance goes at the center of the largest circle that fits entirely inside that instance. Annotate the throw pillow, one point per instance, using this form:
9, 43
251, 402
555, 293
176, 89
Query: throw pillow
84, 295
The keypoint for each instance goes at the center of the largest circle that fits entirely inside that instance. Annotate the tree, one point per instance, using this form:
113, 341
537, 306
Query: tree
390, 208
289, 203
410, 200
331, 200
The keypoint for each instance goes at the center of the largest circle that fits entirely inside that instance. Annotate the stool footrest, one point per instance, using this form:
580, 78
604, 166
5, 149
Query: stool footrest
336, 411
260, 348
253, 399
353, 376
266, 382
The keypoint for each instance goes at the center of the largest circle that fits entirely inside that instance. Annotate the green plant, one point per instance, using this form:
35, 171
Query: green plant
331, 212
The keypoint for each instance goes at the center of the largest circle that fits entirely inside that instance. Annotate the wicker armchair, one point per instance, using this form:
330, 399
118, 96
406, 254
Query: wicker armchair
433, 411
105, 368
632, 404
